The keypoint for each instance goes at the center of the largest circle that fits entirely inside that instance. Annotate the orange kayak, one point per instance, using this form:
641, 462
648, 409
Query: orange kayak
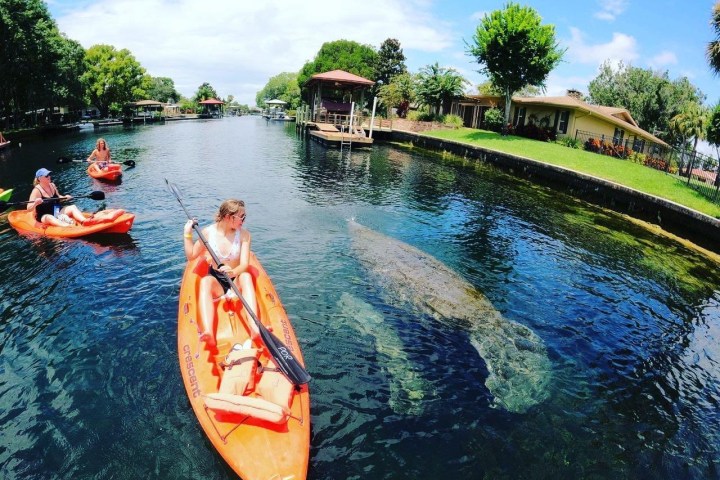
24, 222
256, 419
111, 171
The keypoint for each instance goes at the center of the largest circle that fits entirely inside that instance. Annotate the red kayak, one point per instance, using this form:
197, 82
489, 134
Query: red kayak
105, 171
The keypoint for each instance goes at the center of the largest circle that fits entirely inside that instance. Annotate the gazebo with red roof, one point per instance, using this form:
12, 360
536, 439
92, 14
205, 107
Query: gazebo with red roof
212, 108
334, 91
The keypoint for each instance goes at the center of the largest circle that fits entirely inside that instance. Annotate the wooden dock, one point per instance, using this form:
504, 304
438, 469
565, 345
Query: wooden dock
329, 135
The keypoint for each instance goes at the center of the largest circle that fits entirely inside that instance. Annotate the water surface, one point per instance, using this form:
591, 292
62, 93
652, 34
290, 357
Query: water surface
89, 380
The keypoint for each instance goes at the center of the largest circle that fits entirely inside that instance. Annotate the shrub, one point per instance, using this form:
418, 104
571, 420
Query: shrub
569, 142
637, 157
452, 121
420, 116
535, 132
493, 119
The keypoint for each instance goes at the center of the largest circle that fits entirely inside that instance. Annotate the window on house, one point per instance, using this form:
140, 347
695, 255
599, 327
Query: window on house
519, 116
563, 123
618, 136
638, 144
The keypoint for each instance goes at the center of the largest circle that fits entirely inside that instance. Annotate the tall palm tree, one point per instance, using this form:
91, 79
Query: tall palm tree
713, 49
691, 123
437, 86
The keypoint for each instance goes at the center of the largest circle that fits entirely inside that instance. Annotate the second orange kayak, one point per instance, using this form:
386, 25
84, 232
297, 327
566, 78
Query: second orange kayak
24, 222
109, 171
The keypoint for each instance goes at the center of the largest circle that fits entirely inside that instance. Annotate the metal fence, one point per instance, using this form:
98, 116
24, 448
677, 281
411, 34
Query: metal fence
697, 170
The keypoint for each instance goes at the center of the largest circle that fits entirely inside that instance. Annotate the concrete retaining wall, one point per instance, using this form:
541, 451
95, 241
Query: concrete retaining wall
672, 217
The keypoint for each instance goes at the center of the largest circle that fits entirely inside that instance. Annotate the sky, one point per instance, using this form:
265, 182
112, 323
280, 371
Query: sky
238, 45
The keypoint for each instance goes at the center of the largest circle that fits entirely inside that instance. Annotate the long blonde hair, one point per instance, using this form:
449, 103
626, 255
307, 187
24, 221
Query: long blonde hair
97, 144
229, 207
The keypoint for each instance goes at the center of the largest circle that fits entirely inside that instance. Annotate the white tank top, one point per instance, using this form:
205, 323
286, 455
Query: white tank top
233, 254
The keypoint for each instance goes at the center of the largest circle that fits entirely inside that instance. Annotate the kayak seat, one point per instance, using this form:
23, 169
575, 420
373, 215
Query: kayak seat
274, 386
239, 371
274, 391
201, 267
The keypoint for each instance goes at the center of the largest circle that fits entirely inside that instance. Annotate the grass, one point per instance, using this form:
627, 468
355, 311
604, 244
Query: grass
633, 175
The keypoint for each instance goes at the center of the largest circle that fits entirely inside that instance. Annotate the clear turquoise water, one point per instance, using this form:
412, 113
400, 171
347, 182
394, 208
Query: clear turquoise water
89, 379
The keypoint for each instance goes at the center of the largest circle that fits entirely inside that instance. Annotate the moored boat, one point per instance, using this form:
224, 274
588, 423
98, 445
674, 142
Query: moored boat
5, 194
254, 416
24, 222
108, 171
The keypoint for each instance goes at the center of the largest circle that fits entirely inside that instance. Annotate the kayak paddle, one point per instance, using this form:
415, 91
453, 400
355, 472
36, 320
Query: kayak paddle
96, 195
281, 354
129, 163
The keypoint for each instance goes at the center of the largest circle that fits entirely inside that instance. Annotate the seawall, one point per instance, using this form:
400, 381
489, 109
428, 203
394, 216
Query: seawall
679, 220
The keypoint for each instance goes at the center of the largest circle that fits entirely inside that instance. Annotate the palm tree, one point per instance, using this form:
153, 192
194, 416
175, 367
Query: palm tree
713, 49
691, 123
437, 86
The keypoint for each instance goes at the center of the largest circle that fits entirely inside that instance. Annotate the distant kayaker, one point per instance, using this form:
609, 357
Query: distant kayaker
101, 154
231, 244
45, 201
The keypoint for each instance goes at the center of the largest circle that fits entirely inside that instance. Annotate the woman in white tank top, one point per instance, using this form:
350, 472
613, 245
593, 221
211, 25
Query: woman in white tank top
231, 244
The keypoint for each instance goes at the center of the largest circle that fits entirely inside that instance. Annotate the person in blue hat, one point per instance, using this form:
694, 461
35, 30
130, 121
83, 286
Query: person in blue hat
45, 201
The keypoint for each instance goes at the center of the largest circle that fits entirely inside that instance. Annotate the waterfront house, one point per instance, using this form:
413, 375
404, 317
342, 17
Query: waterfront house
564, 116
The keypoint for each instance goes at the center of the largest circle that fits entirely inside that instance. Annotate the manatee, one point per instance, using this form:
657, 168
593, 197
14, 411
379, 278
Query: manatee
408, 389
519, 370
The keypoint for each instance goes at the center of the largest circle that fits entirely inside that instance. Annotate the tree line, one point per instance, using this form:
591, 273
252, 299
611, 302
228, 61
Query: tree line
516, 52
42, 69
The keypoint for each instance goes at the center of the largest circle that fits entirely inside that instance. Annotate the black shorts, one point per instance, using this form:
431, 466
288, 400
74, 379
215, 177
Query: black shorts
220, 277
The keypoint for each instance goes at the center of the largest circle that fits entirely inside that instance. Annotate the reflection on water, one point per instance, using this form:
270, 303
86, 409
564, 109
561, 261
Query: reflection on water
89, 384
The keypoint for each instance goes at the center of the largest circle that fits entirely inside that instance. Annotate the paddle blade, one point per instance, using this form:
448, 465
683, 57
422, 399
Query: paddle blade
129, 163
63, 160
97, 195
285, 360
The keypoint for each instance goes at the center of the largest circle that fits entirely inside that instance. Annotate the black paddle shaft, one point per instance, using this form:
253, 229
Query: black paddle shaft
96, 195
286, 361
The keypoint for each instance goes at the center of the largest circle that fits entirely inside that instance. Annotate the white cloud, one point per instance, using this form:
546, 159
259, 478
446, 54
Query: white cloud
558, 84
610, 9
663, 59
622, 47
238, 49
479, 15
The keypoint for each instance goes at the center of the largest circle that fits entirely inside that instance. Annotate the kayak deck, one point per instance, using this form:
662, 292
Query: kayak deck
112, 171
254, 447
24, 222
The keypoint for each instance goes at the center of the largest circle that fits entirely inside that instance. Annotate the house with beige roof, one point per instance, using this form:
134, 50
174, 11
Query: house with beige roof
566, 116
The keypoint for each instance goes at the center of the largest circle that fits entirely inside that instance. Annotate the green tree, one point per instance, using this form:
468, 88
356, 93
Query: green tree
38, 64
691, 123
112, 77
515, 50
399, 93
345, 55
204, 92
162, 89
651, 97
712, 135
713, 48
283, 86
390, 62
438, 86
487, 88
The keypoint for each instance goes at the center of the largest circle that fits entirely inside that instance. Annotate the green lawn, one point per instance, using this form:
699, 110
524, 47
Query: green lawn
633, 175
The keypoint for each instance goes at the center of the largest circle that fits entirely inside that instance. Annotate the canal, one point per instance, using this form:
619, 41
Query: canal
89, 380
